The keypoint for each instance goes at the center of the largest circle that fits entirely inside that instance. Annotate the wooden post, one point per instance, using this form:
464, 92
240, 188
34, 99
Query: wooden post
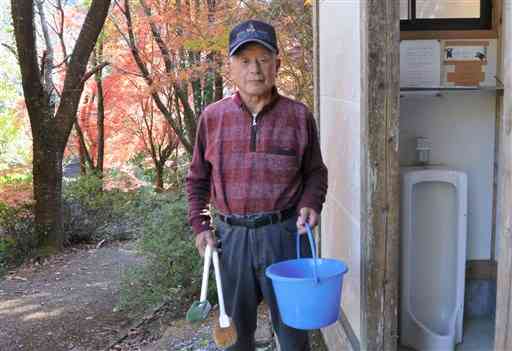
503, 337
497, 25
316, 96
380, 172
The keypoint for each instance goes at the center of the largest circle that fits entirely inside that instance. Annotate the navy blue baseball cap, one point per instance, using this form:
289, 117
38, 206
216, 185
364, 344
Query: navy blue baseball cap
252, 31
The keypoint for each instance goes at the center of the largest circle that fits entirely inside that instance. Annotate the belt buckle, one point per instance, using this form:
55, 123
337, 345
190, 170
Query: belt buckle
251, 223
275, 217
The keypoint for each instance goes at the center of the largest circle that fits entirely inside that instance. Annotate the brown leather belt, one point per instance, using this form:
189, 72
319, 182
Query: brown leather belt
255, 221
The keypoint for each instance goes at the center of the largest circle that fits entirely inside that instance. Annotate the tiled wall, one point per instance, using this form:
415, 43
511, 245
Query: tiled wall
340, 100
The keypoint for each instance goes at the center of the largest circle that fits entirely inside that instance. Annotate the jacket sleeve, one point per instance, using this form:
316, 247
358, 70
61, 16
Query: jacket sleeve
314, 171
198, 183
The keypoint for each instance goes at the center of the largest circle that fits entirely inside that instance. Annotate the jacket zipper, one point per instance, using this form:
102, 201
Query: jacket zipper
253, 133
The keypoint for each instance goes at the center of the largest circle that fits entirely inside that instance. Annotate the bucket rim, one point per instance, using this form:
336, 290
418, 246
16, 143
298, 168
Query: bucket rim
276, 277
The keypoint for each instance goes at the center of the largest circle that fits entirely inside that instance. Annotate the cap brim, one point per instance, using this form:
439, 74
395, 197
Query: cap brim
252, 40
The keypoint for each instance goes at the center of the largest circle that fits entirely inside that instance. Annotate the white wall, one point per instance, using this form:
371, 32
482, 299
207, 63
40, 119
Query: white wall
460, 126
340, 99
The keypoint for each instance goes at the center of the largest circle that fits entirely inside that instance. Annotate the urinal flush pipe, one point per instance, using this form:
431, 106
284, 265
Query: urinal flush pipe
423, 147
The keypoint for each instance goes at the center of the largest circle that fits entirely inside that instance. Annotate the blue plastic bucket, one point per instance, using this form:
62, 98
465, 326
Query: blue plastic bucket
308, 290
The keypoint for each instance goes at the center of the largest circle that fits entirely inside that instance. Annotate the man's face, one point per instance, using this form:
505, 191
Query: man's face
253, 69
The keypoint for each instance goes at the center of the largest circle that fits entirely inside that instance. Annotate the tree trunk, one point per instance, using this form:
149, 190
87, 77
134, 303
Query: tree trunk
47, 177
83, 161
85, 158
219, 86
159, 181
50, 131
97, 59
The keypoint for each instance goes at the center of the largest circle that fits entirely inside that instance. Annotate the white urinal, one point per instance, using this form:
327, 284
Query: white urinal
434, 220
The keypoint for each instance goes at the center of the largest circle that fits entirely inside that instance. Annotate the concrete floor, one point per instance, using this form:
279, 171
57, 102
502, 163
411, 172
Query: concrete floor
478, 336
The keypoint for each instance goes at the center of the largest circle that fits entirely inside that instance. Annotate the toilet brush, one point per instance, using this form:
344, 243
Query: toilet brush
224, 333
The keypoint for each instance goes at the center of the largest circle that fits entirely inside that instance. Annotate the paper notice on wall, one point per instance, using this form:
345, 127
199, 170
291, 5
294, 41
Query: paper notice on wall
466, 51
420, 63
465, 63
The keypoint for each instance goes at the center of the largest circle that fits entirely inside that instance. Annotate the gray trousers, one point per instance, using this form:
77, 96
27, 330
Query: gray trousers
245, 253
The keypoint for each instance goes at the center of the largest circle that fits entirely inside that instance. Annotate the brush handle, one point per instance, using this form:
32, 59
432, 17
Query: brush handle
223, 318
206, 272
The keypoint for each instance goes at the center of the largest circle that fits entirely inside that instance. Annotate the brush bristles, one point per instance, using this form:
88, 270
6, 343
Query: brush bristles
224, 337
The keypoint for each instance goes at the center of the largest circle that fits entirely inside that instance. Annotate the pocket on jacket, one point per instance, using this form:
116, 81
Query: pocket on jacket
282, 151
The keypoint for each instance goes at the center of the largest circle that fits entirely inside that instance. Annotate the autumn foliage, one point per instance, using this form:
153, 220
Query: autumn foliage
166, 60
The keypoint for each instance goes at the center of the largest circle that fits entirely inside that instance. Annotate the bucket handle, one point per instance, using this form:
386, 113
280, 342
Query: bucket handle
312, 245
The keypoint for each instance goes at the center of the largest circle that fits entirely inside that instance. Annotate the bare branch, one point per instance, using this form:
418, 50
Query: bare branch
63, 62
118, 28
11, 49
175, 123
93, 71
54, 5
47, 60
73, 82
125, 71
23, 14
83, 144
53, 26
116, 2
43, 63
155, 31
60, 30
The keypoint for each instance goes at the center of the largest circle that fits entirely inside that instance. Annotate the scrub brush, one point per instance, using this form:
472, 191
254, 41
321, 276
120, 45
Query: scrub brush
200, 309
224, 333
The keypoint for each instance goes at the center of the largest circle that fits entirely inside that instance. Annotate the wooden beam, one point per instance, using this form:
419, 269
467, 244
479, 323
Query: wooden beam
497, 23
316, 61
497, 13
481, 269
503, 336
316, 97
448, 34
496, 167
380, 174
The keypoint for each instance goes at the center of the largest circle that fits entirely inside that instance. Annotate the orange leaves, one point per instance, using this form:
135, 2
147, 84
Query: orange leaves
15, 188
183, 49
16, 194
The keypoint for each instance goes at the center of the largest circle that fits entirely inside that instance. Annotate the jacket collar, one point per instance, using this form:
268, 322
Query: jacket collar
237, 99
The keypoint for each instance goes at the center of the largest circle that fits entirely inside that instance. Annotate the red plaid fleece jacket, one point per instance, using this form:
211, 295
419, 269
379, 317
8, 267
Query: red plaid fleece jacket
247, 165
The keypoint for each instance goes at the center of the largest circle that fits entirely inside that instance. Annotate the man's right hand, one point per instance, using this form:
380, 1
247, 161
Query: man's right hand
203, 239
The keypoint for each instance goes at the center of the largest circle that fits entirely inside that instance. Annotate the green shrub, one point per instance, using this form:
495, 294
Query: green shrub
16, 178
173, 174
6, 248
172, 267
90, 214
85, 189
17, 237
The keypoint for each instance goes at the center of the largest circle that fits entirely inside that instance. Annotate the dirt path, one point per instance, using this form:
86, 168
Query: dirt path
66, 303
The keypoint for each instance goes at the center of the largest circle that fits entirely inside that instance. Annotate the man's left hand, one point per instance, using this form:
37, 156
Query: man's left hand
306, 215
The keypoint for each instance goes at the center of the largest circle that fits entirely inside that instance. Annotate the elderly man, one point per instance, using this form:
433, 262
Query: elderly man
257, 160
